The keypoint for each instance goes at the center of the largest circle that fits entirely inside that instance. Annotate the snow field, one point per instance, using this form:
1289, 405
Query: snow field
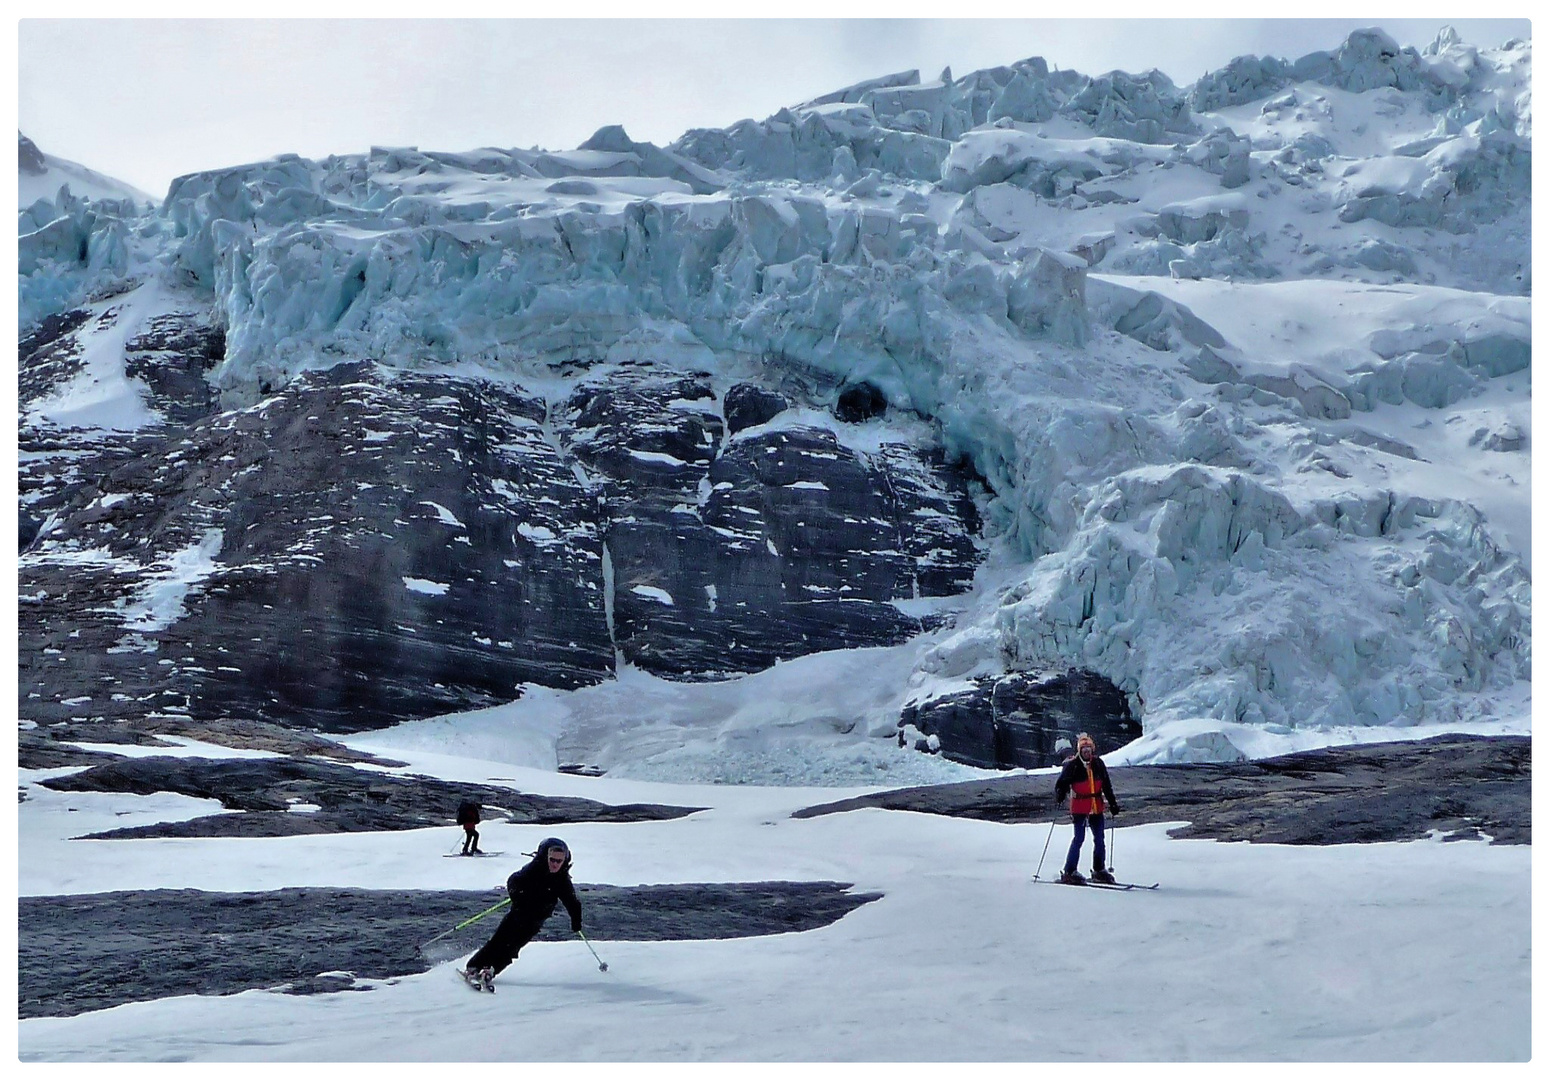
1410, 951
822, 720
102, 395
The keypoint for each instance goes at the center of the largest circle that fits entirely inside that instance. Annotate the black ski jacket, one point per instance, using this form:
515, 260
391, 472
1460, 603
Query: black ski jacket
468, 813
534, 891
1089, 791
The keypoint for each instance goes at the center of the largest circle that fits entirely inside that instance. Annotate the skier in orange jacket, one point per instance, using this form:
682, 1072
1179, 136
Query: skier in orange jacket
1085, 779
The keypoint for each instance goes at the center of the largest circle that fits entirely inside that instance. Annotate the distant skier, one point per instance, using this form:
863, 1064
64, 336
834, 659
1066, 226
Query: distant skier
534, 889
1086, 776
468, 818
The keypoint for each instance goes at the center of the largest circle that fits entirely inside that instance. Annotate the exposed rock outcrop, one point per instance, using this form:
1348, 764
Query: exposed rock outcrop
345, 799
1464, 785
168, 942
1021, 720
364, 546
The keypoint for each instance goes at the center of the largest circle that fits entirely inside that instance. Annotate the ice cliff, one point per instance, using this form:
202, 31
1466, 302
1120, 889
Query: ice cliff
1226, 517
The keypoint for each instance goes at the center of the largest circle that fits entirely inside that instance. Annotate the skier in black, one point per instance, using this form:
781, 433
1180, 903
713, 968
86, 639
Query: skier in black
468, 818
1086, 777
534, 889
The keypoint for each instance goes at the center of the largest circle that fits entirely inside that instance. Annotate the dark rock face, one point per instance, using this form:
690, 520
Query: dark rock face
49, 356
746, 405
166, 942
1025, 721
29, 159
28, 526
366, 546
1465, 785
171, 357
786, 543
50, 330
395, 545
349, 800
386, 549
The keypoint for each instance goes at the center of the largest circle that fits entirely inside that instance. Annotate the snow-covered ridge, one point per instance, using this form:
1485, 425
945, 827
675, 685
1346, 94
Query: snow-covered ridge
1200, 517
40, 176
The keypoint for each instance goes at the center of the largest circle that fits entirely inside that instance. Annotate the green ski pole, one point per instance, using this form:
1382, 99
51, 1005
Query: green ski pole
468, 922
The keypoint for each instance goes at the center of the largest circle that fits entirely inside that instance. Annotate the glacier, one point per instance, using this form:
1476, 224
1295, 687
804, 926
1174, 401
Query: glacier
1228, 518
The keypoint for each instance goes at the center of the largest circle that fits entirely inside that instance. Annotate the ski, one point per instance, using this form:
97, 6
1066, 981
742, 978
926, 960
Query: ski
472, 854
473, 980
1118, 886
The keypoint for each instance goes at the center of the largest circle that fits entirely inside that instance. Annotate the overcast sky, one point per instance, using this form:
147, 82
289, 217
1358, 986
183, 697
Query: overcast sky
146, 100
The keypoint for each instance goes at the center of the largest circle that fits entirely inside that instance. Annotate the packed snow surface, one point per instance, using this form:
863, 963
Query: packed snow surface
1244, 365
1336, 938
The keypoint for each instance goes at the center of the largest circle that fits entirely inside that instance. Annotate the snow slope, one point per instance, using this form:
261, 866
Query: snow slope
1328, 329
964, 958
102, 396
42, 175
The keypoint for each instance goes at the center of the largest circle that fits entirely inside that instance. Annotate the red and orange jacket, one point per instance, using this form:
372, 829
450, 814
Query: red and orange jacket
1087, 783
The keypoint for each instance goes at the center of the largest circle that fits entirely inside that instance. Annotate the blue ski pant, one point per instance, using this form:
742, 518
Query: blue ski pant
1099, 849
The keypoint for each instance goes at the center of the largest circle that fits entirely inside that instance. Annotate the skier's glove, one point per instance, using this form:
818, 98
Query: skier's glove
1113, 810
575, 926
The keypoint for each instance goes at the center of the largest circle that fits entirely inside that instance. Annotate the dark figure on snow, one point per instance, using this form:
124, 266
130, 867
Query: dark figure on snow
535, 889
1085, 779
468, 818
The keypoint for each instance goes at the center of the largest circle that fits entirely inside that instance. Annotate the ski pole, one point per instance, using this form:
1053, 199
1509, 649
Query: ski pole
468, 922
600, 965
1045, 851
1113, 842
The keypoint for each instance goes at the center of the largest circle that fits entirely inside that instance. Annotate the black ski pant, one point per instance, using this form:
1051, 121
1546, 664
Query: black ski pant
1099, 852
514, 931
470, 841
